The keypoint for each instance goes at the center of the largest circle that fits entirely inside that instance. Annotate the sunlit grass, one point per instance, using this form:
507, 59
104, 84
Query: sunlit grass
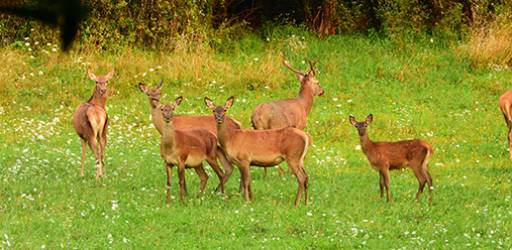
423, 91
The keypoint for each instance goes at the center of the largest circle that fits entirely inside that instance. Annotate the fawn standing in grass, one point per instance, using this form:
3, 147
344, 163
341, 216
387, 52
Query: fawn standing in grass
291, 112
187, 148
90, 121
385, 156
263, 148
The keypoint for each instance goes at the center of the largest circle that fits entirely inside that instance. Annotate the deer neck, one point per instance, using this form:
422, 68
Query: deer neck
168, 135
366, 143
156, 116
223, 132
306, 98
97, 99
158, 121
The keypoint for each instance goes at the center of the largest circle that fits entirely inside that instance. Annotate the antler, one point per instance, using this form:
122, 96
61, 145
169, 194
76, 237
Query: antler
160, 84
312, 66
287, 64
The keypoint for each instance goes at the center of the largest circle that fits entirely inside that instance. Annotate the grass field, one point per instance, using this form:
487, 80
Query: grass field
422, 90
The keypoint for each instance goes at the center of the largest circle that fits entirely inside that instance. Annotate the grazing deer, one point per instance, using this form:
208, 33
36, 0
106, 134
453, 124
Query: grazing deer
290, 112
187, 148
185, 121
261, 148
505, 103
90, 121
385, 156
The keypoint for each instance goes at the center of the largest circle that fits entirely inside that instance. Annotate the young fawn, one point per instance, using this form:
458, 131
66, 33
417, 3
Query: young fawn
187, 148
291, 112
505, 103
261, 148
385, 156
90, 121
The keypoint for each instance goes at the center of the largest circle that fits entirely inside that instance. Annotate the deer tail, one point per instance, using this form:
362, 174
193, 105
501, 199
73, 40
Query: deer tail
430, 152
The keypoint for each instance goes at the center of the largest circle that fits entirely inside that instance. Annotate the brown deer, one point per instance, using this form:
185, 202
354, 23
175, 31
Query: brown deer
290, 112
386, 156
187, 148
180, 121
185, 121
505, 102
90, 121
261, 148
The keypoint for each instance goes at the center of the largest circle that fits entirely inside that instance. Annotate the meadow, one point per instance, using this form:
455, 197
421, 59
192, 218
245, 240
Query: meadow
423, 89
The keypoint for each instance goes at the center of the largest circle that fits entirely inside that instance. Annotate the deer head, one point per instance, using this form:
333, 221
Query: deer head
219, 111
153, 94
168, 109
101, 81
361, 126
307, 80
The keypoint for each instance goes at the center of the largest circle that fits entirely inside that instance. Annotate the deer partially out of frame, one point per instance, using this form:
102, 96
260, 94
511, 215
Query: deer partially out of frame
290, 112
90, 121
185, 121
262, 148
187, 148
386, 156
505, 107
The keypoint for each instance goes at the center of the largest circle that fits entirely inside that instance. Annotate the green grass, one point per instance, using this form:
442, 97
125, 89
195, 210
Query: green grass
420, 91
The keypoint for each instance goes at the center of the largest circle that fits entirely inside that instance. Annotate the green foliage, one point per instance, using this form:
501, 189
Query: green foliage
423, 91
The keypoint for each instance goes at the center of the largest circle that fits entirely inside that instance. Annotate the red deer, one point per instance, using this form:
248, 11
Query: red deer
505, 102
184, 121
263, 148
187, 148
290, 112
386, 156
90, 121
180, 121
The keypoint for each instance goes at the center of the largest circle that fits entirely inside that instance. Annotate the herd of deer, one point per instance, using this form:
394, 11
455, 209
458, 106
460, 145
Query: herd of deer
187, 141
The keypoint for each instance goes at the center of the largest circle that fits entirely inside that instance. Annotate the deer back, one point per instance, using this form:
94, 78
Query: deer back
279, 114
397, 154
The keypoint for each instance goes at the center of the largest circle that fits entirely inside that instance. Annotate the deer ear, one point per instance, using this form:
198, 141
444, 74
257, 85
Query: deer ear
209, 103
109, 75
178, 100
91, 75
229, 102
142, 87
352, 120
159, 86
369, 119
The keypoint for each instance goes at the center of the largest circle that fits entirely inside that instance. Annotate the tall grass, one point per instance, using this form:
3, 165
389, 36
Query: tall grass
490, 41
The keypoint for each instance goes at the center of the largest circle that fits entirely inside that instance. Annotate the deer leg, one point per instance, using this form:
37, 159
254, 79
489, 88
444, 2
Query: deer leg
102, 154
203, 177
93, 144
387, 183
382, 183
218, 172
510, 143
306, 186
228, 168
430, 187
422, 180
181, 175
265, 172
246, 180
168, 169
82, 169
280, 170
301, 179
